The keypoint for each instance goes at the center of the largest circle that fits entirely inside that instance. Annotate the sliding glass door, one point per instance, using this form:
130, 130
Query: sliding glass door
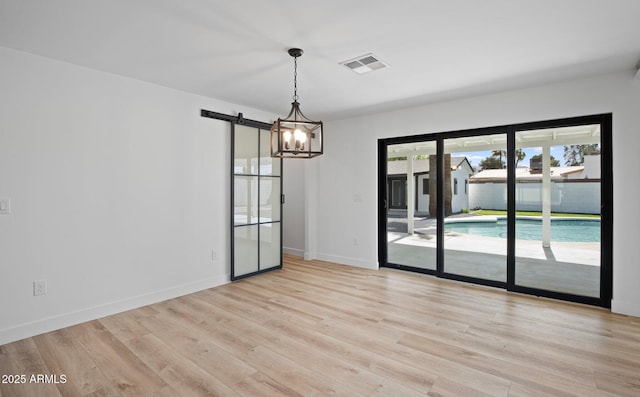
558, 201
475, 240
525, 207
411, 224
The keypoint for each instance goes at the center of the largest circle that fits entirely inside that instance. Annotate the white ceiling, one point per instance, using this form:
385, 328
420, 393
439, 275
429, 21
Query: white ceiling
236, 50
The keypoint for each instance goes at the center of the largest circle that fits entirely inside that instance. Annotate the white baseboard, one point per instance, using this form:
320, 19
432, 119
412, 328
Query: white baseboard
56, 322
293, 251
343, 260
626, 308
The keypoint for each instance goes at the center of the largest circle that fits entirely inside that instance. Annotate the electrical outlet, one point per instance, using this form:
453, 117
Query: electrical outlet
214, 255
39, 287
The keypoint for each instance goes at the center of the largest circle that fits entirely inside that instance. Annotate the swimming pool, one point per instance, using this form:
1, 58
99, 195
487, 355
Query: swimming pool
572, 230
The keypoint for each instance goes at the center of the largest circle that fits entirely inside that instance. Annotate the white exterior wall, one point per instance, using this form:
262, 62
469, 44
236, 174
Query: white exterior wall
339, 171
591, 167
459, 201
581, 198
119, 193
423, 199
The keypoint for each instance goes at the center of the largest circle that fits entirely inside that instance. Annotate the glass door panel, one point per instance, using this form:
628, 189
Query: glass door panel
245, 154
558, 210
475, 207
268, 165
411, 210
269, 199
245, 250
269, 245
245, 200
270, 205
257, 203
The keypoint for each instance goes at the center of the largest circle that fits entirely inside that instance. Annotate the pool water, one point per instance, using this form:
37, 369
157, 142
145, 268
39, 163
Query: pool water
573, 230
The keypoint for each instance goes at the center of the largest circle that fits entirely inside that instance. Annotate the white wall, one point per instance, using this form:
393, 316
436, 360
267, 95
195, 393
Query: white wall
293, 183
119, 193
339, 222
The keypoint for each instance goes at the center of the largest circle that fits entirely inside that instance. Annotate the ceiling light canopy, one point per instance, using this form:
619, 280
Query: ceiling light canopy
296, 136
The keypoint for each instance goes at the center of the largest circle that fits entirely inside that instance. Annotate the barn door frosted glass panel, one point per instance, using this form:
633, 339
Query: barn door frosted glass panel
269, 245
411, 205
475, 207
558, 206
270, 204
245, 200
245, 251
257, 242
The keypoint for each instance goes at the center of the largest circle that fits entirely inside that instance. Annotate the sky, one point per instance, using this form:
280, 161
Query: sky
476, 157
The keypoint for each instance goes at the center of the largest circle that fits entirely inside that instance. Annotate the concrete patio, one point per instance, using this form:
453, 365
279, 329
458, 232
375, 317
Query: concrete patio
568, 267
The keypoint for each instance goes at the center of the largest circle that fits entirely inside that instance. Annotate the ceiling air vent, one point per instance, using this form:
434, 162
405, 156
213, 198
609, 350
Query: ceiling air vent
365, 63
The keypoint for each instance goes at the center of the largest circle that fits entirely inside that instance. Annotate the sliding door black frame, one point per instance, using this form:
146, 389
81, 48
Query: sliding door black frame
606, 198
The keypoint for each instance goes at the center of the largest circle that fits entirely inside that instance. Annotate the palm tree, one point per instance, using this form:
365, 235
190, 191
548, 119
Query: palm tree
499, 154
520, 155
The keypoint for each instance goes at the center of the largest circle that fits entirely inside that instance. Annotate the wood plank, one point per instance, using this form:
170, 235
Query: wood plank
126, 372
127, 325
62, 354
259, 384
177, 370
22, 358
450, 387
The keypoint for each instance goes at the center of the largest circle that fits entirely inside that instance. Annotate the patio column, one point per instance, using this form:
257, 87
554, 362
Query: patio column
410, 194
546, 196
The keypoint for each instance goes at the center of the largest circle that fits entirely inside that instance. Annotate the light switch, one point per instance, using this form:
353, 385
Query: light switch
5, 205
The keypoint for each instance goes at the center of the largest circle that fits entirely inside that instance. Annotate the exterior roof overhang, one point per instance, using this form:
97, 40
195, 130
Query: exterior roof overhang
574, 135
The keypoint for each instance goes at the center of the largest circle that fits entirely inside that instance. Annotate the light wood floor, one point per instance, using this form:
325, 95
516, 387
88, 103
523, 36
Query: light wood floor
315, 329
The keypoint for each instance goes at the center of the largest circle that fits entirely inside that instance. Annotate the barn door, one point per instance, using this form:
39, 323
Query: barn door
256, 201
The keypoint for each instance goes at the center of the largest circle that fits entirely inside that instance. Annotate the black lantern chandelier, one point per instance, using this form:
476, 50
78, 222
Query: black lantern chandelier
296, 136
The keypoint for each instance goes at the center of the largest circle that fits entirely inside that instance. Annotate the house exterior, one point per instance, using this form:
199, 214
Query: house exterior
574, 189
461, 170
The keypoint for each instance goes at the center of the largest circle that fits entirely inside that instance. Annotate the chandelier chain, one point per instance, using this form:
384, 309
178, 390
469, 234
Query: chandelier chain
295, 79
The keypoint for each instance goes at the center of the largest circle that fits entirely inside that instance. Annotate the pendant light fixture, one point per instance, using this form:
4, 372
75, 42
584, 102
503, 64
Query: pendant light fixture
296, 136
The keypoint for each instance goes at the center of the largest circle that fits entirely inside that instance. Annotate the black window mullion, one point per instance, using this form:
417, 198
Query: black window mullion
511, 209
440, 181
384, 201
606, 211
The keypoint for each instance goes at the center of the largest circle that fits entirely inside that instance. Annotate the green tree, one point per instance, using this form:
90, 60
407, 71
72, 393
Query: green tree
492, 163
554, 162
574, 154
